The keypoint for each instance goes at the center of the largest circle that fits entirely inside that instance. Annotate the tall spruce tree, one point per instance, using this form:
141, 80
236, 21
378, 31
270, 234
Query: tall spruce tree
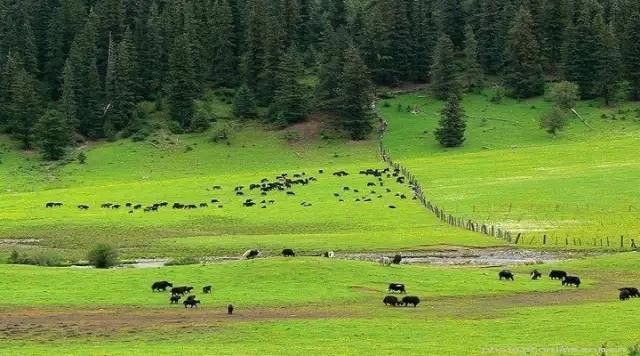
631, 41
121, 85
610, 66
23, 107
244, 105
327, 91
53, 135
355, 114
223, 45
444, 70
290, 100
490, 38
452, 125
583, 49
83, 88
523, 74
472, 76
182, 87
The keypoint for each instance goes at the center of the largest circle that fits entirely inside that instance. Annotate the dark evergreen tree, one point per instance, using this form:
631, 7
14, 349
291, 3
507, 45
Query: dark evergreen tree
290, 100
450, 20
583, 49
223, 45
83, 86
53, 135
523, 74
631, 45
23, 107
152, 55
182, 87
490, 36
472, 75
444, 71
327, 91
120, 86
610, 67
354, 110
244, 105
423, 35
554, 26
452, 125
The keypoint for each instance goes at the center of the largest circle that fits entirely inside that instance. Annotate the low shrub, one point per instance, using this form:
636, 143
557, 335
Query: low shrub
103, 256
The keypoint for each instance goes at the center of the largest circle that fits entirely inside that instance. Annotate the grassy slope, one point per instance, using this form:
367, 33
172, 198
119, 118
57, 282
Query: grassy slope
454, 317
167, 170
583, 183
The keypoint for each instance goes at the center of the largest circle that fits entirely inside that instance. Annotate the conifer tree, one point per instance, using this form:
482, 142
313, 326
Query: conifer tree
121, 85
583, 49
489, 36
631, 40
444, 71
354, 107
472, 76
290, 100
452, 125
182, 87
244, 106
23, 107
223, 45
53, 135
610, 66
523, 74
84, 89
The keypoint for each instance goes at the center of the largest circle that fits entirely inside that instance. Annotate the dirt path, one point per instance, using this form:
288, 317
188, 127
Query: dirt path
52, 323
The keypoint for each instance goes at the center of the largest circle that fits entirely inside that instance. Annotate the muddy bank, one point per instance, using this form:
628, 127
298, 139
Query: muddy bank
474, 257
448, 257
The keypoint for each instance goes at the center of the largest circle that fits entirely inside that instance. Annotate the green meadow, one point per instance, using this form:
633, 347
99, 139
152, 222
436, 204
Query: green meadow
325, 302
584, 183
580, 184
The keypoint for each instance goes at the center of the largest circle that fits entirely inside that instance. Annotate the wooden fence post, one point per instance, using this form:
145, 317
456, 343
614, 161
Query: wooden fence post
518, 237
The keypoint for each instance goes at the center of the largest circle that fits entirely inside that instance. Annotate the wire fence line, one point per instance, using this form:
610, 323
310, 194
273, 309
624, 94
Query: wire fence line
483, 227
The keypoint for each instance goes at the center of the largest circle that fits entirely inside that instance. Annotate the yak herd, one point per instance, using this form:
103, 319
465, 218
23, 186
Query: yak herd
375, 189
177, 293
625, 292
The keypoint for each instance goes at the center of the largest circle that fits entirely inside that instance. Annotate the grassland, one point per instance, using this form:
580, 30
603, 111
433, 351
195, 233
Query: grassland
325, 302
184, 169
583, 183
509, 172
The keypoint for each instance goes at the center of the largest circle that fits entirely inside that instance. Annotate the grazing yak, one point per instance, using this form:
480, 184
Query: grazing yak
410, 300
206, 289
384, 261
397, 287
390, 300
53, 205
632, 292
287, 252
506, 274
397, 259
181, 290
250, 254
191, 303
160, 286
174, 299
328, 254
83, 207
230, 309
624, 294
571, 280
555, 274
535, 274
